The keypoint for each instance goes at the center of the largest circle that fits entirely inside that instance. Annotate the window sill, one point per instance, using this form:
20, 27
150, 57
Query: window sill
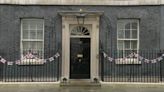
31, 62
128, 61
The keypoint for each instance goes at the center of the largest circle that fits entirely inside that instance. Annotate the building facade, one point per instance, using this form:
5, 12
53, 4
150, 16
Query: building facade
77, 34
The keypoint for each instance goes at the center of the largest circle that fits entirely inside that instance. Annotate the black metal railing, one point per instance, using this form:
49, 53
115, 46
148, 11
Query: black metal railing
30, 69
130, 66
140, 66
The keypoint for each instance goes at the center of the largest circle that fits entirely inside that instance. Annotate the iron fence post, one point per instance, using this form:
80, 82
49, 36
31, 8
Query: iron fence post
160, 65
58, 70
1, 71
102, 67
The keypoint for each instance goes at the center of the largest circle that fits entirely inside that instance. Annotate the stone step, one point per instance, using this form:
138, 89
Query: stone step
80, 82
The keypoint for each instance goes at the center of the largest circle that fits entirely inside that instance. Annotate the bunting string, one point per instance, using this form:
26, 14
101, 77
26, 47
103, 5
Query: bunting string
29, 57
132, 56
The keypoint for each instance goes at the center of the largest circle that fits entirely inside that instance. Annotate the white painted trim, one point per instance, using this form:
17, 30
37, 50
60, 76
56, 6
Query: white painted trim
131, 83
80, 36
30, 83
31, 40
94, 36
83, 2
128, 39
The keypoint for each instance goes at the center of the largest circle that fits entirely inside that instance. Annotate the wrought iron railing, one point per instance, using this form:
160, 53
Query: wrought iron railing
141, 66
30, 68
144, 66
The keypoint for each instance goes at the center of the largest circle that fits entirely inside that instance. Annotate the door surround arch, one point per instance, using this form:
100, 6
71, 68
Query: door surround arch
92, 19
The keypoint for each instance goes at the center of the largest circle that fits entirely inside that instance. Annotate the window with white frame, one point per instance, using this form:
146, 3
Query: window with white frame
32, 37
127, 36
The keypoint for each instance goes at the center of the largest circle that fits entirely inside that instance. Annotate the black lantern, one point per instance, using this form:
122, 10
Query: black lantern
81, 17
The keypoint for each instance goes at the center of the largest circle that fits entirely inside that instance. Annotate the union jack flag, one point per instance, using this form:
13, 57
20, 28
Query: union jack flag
2, 60
57, 55
29, 56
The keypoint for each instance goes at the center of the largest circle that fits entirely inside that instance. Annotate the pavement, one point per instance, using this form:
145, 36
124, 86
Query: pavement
57, 88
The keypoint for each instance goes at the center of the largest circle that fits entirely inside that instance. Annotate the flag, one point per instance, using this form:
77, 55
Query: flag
163, 55
124, 58
29, 56
146, 61
10, 63
104, 54
131, 55
140, 58
2, 60
154, 61
57, 55
44, 61
159, 59
110, 59
51, 59
17, 61
136, 55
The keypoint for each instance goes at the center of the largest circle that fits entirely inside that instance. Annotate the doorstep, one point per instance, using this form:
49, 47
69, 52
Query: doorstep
80, 82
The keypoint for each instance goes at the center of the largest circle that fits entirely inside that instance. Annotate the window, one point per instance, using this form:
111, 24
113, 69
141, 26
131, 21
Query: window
127, 36
80, 30
32, 37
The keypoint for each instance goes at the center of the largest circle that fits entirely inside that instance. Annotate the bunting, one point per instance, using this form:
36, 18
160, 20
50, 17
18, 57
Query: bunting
133, 55
30, 56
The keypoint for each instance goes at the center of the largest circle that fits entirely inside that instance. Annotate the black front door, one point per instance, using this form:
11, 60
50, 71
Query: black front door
80, 58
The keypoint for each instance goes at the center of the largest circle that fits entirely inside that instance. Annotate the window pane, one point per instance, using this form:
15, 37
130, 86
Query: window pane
35, 48
33, 34
134, 44
25, 26
32, 45
134, 34
127, 26
40, 25
121, 25
33, 24
121, 34
25, 46
127, 44
127, 52
39, 34
120, 53
34, 28
120, 45
25, 34
134, 25
127, 33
